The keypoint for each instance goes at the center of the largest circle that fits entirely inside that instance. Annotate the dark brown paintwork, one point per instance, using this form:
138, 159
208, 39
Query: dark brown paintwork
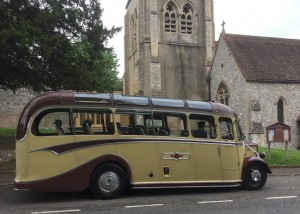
77, 179
255, 159
46, 99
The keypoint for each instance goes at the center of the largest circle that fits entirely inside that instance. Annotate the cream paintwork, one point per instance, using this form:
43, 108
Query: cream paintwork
230, 162
209, 162
180, 170
142, 160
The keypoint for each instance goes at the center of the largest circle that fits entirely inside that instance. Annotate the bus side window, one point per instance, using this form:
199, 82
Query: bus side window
93, 122
203, 126
131, 122
170, 124
226, 128
52, 122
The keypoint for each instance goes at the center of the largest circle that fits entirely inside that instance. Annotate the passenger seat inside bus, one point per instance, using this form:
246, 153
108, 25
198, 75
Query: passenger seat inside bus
139, 130
110, 128
162, 131
87, 127
59, 129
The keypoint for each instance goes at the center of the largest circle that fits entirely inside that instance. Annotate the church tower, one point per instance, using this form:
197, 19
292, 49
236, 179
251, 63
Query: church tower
169, 48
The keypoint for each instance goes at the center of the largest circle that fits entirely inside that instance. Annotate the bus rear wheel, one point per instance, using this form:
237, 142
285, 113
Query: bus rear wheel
255, 177
108, 181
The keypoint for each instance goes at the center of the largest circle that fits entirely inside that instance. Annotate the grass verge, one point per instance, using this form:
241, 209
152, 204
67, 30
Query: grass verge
278, 157
7, 139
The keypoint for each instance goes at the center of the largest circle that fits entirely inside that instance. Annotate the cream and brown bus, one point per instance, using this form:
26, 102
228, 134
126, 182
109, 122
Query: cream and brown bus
69, 141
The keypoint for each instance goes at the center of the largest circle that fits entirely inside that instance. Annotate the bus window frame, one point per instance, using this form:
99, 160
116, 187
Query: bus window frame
41, 113
101, 111
216, 126
120, 111
233, 132
185, 122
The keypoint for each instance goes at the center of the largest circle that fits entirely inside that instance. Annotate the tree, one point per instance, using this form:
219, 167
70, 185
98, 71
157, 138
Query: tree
55, 44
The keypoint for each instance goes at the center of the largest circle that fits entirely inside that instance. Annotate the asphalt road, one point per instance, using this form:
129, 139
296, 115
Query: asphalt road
280, 195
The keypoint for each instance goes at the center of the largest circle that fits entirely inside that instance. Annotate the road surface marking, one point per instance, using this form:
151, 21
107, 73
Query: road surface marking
146, 205
281, 197
56, 211
208, 202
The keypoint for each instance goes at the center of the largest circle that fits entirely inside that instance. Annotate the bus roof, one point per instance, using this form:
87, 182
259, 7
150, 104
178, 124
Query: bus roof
63, 98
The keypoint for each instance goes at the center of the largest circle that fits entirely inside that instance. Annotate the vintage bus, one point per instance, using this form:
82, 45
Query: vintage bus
70, 141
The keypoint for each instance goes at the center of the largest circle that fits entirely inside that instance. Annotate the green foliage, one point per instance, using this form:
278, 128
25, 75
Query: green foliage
278, 157
57, 44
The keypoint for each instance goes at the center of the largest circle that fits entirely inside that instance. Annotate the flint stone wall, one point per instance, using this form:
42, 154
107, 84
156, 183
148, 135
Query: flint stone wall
255, 103
12, 106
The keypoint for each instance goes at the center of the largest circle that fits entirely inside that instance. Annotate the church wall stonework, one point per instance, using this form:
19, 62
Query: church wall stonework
255, 103
12, 106
268, 95
191, 53
182, 71
226, 70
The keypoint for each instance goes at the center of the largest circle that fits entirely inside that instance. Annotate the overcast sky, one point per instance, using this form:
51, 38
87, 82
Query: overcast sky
273, 18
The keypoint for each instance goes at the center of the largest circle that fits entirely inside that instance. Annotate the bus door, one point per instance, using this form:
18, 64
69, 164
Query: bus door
206, 149
229, 150
174, 150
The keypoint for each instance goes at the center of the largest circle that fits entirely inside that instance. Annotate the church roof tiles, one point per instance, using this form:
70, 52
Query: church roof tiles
264, 58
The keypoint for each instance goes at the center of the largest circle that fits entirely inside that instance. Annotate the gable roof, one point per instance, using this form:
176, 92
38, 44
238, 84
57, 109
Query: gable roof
265, 59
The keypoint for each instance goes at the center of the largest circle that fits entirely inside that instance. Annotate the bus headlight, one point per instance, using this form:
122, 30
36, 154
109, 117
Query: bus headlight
262, 155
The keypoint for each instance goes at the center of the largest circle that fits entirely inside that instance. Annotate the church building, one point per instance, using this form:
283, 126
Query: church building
169, 48
259, 78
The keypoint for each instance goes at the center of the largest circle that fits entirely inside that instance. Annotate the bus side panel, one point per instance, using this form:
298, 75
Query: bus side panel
230, 162
177, 159
21, 160
76, 179
207, 162
142, 158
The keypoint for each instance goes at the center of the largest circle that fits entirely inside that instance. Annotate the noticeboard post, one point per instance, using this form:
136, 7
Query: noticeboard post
278, 133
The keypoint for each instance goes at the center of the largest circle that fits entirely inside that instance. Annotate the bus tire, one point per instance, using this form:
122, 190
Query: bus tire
108, 181
255, 177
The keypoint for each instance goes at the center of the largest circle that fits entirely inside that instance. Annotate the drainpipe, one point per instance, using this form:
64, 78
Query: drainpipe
208, 79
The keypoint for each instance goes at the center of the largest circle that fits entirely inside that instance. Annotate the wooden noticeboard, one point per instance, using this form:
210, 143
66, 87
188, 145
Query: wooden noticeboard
278, 133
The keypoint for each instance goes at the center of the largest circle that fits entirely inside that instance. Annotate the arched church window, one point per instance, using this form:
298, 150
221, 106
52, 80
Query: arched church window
170, 18
223, 94
186, 20
280, 110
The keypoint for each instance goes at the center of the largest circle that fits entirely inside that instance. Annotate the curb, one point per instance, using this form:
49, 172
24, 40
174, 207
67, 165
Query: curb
285, 170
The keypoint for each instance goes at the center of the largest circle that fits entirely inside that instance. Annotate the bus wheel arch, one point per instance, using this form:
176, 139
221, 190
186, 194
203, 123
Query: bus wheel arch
109, 180
254, 176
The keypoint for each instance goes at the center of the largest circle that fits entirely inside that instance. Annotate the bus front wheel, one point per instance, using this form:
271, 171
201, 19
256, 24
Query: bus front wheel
108, 181
255, 177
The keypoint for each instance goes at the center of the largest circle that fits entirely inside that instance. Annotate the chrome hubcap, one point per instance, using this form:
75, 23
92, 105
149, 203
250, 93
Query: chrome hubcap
109, 181
255, 175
